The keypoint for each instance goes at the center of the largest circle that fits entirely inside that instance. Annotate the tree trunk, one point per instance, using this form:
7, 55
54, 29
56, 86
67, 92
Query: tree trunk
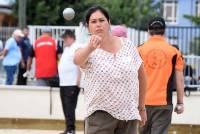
22, 13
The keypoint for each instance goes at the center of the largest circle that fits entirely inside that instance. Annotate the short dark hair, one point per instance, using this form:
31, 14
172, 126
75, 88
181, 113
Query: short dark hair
93, 9
68, 33
25, 27
156, 26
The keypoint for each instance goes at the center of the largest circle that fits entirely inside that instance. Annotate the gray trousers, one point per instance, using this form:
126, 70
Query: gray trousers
52, 81
101, 122
158, 120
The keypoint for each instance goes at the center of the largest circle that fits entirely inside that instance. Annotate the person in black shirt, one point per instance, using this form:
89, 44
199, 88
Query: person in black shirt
25, 47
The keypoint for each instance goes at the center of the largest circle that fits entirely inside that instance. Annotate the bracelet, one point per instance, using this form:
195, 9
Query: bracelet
141, 108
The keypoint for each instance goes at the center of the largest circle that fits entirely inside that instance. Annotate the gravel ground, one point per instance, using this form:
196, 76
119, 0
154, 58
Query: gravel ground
30, 131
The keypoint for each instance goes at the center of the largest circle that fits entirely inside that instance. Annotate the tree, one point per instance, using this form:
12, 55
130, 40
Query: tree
22, 13
194, 19
42, 12
128, 12
194, 46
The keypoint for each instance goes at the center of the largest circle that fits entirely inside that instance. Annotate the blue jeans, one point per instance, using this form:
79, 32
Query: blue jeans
10, 71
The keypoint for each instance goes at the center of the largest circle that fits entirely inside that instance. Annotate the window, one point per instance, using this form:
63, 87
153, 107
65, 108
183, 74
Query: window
197, 8
170, 11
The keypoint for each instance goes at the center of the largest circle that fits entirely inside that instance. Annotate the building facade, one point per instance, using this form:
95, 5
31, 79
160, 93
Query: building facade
6, 19
175, 10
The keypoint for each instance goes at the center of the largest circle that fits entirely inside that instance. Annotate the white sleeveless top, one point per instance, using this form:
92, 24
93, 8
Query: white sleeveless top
111, 82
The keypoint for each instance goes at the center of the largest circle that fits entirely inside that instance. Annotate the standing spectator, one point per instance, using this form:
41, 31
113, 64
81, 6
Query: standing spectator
12, 55
46, 53
162, 61
25, 47
69, 75
114, 80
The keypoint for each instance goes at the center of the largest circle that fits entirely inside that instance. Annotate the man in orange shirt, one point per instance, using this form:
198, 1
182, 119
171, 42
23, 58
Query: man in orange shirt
162, 62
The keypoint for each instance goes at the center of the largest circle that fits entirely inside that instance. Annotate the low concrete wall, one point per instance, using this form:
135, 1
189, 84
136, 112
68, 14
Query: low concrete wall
31, 102
192, 109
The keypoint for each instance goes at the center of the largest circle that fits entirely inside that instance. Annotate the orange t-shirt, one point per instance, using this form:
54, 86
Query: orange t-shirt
160, 61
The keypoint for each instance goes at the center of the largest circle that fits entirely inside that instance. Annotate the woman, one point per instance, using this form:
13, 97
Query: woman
114, 79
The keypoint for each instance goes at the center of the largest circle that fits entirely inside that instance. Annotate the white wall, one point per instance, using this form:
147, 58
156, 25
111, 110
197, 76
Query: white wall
191, 114
34, 102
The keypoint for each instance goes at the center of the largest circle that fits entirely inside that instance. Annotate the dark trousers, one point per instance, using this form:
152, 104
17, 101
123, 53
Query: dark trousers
20, 79
158, 120
69, 97
101, 122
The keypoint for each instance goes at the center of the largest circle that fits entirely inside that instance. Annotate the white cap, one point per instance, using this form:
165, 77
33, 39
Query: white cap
18, 32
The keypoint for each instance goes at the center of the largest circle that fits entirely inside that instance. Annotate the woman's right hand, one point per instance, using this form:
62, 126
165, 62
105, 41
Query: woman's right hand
81, 55
94, 42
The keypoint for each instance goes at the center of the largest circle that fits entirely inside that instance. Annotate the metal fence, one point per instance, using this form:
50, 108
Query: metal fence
80, 32
186, 38
192, 72
5, 33
137, 36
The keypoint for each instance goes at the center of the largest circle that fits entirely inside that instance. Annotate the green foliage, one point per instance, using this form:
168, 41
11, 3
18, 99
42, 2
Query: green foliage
40, 12
195, 47
194, 19
133, 13
195, 44
44, 13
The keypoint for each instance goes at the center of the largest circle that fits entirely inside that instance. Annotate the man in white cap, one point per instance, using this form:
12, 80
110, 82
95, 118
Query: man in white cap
11, 55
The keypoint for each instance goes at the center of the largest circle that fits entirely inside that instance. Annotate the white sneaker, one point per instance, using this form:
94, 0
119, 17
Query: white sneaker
71, 132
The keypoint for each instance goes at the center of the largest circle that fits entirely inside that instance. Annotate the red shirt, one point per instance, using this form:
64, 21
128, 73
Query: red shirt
45, 57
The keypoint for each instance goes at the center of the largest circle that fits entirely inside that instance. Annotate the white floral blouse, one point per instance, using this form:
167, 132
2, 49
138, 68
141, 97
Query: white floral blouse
111, 82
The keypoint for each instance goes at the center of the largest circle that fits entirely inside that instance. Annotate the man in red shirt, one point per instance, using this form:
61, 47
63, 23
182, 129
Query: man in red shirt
46, 52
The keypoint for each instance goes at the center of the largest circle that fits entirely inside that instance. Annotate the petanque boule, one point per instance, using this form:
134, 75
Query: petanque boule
68, 13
